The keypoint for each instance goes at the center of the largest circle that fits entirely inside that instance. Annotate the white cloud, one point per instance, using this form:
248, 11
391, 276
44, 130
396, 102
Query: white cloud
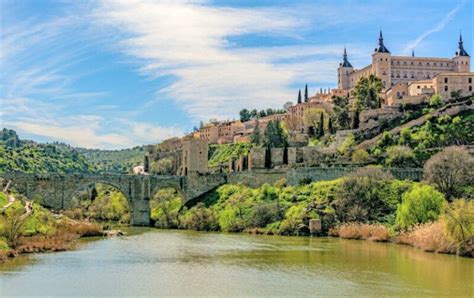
215, 77
437, 28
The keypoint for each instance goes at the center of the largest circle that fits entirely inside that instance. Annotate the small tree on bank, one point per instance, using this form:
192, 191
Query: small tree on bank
450, 171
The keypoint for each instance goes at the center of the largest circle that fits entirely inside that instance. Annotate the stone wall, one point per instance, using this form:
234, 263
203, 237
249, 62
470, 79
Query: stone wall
256, 158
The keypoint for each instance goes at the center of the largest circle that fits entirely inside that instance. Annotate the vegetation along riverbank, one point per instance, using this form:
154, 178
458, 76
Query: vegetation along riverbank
436, 215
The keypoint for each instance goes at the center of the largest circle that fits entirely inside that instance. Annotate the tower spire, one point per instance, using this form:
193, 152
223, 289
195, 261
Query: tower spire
461, 51
381, 48
345, 61
413, 52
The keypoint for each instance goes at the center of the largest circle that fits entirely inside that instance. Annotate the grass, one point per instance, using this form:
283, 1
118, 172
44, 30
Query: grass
361, 231
428, 237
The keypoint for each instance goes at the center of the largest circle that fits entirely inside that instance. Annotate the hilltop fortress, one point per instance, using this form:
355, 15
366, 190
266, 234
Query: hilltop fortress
408, 81
408, 78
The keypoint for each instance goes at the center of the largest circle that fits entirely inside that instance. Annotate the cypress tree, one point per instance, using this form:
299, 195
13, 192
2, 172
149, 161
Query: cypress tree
306, 93
321, 126
330, 126
299, 96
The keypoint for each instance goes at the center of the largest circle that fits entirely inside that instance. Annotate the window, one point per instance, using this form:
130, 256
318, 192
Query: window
445, 88
445, 80
470, 88
419, 63
427, 64
404, 63
418, 87
470, 80
411, 63
434, 64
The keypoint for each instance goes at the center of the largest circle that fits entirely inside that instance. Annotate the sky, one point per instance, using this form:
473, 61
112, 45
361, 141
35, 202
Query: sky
117, 74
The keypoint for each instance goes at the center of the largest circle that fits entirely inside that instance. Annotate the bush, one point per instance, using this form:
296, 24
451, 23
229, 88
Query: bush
420, 205
458, 220
199, 218
230, 220
450, 171
400, 156
363, 196
373, 232
264, 214
12, 226
360, 156
165, 206
428, 237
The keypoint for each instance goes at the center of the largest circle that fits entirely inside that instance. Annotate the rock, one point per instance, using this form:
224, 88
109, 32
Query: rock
114, 233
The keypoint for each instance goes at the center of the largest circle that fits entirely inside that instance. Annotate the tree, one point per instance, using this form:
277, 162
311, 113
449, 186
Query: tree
299, 96
400, 156
366, 92
165, 206
456, 94
306, 93
256, 136
458, 220
341, 112
421, 204
244, 115
253, 114
321, 126
287, 106
12, 224
262, 114
312, 118
360, 156
436, 100
275, 137
163, 166
330, 126
450, 171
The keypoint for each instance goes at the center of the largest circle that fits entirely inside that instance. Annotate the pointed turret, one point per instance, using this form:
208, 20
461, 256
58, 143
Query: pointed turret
413, 52
461, 51
381, 48
306, 93
345, 62
299, 96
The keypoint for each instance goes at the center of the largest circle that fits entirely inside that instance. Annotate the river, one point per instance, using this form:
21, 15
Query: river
157, 262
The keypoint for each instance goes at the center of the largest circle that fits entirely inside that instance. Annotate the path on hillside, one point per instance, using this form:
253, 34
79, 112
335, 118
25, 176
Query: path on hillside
450, 109
12, 199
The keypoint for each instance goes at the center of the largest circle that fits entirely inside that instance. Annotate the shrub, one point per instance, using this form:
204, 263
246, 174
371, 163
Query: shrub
363, 196
421, 204
450, 170
373, 232
264, 214
436, 100
163, 166
400, 156
12, 224
458, 220
230, 221
347, 145
428, 237
360, 156
199, 218
165, 206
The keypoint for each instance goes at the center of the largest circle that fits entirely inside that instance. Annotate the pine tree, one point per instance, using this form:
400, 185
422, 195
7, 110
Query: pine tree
256, 137
306, 93
299, 96
321, 126
330, 126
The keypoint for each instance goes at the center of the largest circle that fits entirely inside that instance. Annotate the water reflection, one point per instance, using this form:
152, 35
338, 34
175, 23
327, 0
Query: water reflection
190, 263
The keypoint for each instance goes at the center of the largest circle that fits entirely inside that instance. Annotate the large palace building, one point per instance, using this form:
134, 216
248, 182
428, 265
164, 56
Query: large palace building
410, 75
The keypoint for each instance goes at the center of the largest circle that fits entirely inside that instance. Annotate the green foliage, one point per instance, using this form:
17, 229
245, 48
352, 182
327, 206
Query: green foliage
400, 156
360, 156
421, 204
275, 136
347, 146
30, 157
366, 92
221, 154
165, 206
114, 161
458, 220
341, 112
163, 166
436, 100
363, 196
199, 218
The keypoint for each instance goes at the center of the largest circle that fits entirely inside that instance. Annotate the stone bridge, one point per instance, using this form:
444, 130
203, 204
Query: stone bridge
56, 191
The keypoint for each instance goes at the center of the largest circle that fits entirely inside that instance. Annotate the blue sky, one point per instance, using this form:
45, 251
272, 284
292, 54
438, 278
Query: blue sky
115, 74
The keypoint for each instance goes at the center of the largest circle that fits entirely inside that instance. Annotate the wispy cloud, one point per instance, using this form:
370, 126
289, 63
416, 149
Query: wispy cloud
437, 28
192, 41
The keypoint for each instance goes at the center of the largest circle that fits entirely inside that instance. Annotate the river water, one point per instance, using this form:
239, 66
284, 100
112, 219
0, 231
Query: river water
159, 262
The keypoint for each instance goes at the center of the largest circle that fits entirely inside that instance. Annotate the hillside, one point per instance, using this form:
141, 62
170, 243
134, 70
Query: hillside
116, 161
32, 157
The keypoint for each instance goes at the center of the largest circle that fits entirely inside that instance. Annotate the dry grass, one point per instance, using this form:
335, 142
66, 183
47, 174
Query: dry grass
362, 231
41, 243
82, 229
428, 237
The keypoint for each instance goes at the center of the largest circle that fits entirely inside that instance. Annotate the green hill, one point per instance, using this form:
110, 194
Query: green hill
116, 161
32, 157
